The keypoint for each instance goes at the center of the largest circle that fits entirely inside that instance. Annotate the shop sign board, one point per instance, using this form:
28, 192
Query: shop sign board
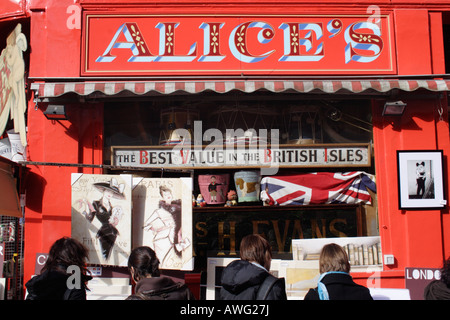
41, 259
151, 45
283, 156
219, 231
416, 279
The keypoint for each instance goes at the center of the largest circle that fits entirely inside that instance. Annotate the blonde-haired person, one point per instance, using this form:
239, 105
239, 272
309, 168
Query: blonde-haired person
249, 277
335, 282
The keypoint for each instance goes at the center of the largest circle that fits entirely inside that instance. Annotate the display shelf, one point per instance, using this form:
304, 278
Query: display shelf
259, 207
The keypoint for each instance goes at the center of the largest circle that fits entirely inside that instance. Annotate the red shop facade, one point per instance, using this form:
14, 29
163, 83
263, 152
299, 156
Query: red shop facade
315, 82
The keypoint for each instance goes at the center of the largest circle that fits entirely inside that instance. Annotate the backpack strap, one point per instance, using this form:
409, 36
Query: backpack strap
265, 287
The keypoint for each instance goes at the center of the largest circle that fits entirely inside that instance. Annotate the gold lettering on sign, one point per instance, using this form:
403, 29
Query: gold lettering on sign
256, 224
333, 229
297, 230
231, 236
280, 242
202, 231
315, 230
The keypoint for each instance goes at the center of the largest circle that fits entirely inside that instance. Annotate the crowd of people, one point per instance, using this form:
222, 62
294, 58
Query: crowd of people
247, 278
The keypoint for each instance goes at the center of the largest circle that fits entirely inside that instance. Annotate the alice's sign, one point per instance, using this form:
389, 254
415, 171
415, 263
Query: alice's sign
150, 45
283, 156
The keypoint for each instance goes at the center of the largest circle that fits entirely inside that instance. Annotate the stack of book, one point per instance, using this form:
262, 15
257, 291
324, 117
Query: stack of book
362, 254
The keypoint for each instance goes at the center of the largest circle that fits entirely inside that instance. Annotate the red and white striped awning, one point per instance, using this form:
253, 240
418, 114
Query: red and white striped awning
110, 88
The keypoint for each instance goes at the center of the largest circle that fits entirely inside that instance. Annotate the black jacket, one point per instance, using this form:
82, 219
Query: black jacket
52, 285
161, 288
436, 290
242, 279
341, 287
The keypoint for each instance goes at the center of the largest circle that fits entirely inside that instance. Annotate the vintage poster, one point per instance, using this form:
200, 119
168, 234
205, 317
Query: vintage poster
162, 219
13, 104
101, 216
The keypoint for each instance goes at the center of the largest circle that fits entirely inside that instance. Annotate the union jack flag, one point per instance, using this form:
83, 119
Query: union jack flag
319, 188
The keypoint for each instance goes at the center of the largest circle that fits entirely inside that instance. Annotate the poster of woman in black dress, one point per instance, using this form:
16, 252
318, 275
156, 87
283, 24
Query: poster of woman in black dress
101, 214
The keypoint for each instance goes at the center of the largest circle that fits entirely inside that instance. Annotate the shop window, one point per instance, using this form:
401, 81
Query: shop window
300, 122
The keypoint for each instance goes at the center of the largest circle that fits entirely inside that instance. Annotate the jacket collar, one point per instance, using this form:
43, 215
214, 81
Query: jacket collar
155, 283
343, 278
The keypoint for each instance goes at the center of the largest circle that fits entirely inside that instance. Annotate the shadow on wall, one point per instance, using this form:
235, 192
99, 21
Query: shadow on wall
35, 191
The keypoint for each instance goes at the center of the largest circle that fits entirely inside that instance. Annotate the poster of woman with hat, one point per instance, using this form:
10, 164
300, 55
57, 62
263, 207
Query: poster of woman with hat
162, 219
101, 216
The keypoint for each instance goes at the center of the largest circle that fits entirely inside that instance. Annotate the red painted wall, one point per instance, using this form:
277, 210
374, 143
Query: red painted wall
48, 208
415, 238
55, 39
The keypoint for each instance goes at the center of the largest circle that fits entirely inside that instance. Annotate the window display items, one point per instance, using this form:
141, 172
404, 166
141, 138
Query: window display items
231, 199
101, 216
174, 119
304, 125
162, 219
242, 124
247, 185
214, 187
200, 202
319, 188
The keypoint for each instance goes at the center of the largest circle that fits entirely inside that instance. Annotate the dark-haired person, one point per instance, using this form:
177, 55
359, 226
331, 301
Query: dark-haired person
335, 282
150, 285
67, 258
244, 279
439, 289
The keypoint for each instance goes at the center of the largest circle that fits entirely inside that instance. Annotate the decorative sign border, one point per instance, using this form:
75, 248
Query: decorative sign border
177, 44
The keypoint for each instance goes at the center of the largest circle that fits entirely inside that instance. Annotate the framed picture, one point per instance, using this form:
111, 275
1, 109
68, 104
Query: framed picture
101, 216
420, 179
162, 219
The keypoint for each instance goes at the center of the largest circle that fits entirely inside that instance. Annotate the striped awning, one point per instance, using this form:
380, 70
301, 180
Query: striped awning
110, 88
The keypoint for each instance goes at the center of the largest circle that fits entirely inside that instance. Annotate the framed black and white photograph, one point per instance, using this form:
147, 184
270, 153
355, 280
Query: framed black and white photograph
420, 179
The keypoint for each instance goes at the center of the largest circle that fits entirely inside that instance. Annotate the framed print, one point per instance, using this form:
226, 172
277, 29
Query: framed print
162, 219
420, 179
101, 216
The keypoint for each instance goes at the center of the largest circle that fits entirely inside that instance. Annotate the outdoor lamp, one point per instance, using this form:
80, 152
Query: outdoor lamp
56, 112
393, 108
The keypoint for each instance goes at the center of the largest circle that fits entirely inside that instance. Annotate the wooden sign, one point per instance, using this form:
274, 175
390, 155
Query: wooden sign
150, 45
284, 156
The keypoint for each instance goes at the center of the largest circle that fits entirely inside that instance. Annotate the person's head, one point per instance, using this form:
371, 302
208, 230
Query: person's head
333, 258
254, 248
445, 272
143, 263
66, 252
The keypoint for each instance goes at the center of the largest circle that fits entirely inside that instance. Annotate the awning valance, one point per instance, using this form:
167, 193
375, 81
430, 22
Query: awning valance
109, 88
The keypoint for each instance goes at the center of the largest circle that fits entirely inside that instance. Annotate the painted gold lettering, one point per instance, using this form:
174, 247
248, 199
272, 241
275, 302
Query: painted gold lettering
333, 228
280, 241
231, 236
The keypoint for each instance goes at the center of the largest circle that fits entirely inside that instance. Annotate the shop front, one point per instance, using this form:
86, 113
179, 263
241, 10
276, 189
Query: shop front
289, 122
